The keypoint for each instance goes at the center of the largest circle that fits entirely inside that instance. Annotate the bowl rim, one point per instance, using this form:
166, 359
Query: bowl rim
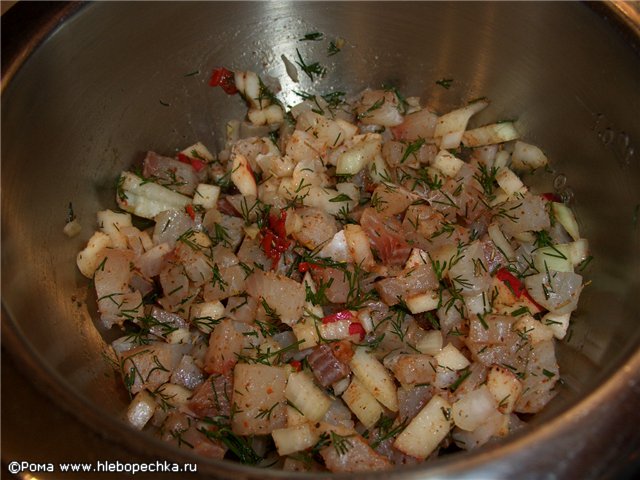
623, 386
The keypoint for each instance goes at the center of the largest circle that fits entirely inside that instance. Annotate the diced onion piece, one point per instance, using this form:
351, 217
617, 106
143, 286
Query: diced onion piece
141, 409
198, 150
294, 439
206, 195
502, 159
562, 257
359, 246
180, 335
476, 304
554, 258
174, 395
242, 176
378, 170
534, 330
302, 392
375, 377
90, 257
248, 84
319, 197
337, 249
501, 242
490, 134
426, 430
509, 182
504, 386
527, 157
451, 358
112, 223
473, 408
556, 291
349, 130
306, 333
147, 199
337, 330
430, 343
564, 215
416, 257
362, 403
558, 323
451, 126
423, 302
359, 155
72, 228
447, 163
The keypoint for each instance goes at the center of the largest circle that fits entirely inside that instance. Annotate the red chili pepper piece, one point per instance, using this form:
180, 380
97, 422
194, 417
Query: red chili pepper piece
274, 238
223, 78
278, 224
196, 163
341, 315
357, 329
191, 211
552, 197
516, 286
306, 266
296, 364
512, 281
184, 158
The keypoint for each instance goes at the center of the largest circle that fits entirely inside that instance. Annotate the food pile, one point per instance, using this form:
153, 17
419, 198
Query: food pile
350, 284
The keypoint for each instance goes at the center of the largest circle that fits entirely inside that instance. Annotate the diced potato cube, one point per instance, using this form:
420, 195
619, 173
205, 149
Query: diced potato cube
505, 387
426, 430
90, 257
558, 323
423, 302
242, 176
451, 358
293, 439
375, 377
430, 343
473, 408
509, 182
447, 163
310, 399
206, 195
365, 148
362, 403
141, 409
490, 134
526, 156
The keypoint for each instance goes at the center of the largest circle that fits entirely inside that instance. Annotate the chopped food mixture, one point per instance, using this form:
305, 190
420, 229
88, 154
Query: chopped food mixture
353, 283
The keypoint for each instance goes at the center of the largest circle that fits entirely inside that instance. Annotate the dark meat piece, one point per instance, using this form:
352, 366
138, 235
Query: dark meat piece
212, 398
325, 365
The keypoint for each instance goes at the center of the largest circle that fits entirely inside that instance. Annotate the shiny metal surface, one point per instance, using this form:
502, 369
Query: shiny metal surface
114, 80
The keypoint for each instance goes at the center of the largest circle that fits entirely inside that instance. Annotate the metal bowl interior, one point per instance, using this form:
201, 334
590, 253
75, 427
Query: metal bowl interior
118, 78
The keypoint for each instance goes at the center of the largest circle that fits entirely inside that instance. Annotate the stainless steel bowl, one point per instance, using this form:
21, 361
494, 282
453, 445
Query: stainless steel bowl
111, 80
